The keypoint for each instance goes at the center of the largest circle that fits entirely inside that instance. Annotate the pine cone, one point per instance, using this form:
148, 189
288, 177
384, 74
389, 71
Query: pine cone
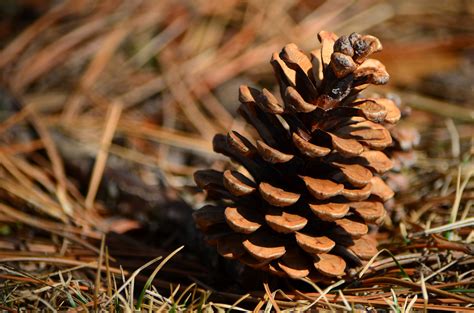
301, 202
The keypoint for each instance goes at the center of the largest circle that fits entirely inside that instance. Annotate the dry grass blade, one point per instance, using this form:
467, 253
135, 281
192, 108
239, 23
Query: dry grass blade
399, 282
468, 222
99, 270
112, 119
270, 298
57, 163
152, 276
132, 277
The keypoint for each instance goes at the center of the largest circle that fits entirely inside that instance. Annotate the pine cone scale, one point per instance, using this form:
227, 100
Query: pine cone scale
263, 246
330, 211
330, 265
242, 219
237, 184
314, 244
285, 222
295, 264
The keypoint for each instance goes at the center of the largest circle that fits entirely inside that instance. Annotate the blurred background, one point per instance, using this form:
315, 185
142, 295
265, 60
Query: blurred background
108, 107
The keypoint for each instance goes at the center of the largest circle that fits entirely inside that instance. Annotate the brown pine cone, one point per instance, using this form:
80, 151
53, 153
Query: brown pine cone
307, 189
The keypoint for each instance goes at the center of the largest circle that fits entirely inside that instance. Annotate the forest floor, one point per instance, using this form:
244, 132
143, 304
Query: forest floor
108, 107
